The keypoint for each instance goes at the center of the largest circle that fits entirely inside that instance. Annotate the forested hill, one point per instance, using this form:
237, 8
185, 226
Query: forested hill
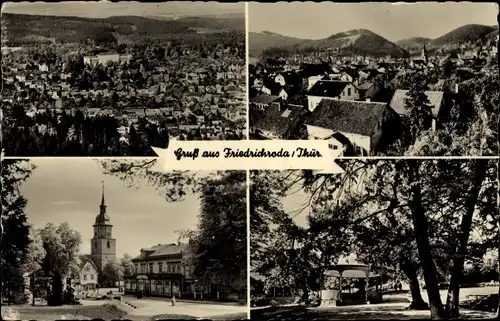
464, 34
356, 42
26, 29
467, 33
353, 42
260, 42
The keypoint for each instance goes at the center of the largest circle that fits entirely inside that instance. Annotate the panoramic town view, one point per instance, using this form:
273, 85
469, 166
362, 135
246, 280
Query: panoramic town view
113, 79
390, 239
79, 243
349, 74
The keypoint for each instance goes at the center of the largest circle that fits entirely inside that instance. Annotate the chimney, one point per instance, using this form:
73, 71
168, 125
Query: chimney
433, 125
456, 88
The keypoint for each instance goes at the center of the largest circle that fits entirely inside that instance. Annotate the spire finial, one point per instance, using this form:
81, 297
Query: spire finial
102, 200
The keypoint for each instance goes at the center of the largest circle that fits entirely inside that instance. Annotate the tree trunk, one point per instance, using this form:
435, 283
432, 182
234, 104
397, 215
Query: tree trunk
453, 297
422, 237
498, 197
1, 268
57, 290
410, 271
33, 289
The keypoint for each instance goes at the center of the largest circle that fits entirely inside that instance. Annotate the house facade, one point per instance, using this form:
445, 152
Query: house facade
330, 89
357, 127
88, 276
162, 270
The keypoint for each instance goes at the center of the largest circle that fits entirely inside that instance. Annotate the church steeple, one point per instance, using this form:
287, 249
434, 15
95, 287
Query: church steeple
102, 217
103, 203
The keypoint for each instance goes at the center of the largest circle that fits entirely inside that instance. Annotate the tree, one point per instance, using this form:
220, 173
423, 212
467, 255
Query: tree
111, 273
433, 197
127, 265
479, 171
14, 231
218, 247
420, 115
33, 260
61, 244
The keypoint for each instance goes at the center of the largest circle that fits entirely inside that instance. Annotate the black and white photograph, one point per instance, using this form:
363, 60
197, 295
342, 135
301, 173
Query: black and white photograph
389, 239
115, 239
103, 78
376, 79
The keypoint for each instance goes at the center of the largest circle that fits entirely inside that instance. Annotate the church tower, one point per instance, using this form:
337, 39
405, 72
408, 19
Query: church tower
103, 245
425, 57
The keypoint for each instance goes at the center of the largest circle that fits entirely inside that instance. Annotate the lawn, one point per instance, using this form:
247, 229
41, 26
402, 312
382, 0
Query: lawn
375, 312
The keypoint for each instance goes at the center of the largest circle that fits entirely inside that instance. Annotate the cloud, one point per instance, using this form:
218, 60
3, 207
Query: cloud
59, 203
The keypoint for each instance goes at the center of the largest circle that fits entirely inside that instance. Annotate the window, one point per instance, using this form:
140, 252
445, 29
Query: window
160, 267
151, 268
87, 268
137, 270
85, 277
92, 276
348, 91
109, 244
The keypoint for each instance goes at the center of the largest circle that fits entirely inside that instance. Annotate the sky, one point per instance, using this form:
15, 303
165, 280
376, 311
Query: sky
105, 9
394, 22
62, 190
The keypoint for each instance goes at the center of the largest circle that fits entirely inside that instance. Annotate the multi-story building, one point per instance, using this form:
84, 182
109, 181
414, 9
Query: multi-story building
104, 58
162, 270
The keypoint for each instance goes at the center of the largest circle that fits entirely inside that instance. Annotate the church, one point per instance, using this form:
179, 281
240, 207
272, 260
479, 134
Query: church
102, 249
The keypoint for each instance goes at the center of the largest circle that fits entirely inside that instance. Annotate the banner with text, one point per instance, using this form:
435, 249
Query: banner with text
249, 154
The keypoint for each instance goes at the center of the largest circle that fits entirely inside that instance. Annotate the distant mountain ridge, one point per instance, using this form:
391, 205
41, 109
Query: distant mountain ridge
357, 41
22, 27
363, 41
472, 32
260, 41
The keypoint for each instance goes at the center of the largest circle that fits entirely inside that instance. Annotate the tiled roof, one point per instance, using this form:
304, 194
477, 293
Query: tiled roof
87, 258
327, 88
298, 100
280, 121
347, 116
365, 86
264, 99
309, 70
398, 101
164, 250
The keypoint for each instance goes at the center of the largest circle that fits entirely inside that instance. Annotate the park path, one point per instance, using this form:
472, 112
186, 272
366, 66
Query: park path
150, 308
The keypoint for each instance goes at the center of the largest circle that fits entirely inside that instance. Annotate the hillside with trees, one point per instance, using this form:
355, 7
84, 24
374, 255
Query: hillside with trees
356, 42
260, 42
29, 29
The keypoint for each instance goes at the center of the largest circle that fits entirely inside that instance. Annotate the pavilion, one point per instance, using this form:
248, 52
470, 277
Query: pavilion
334, 297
